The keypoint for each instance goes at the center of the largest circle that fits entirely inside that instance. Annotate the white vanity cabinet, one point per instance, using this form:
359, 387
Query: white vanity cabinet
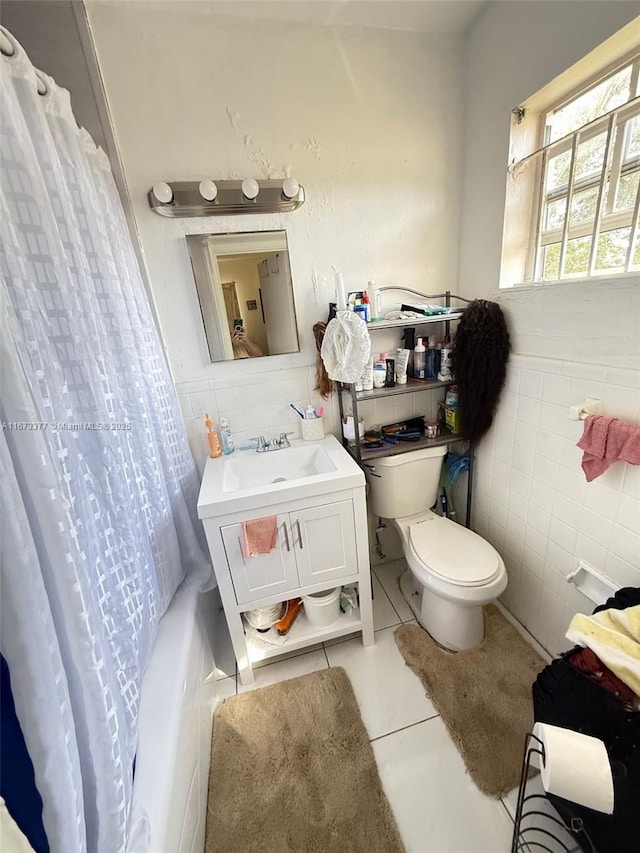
321, 544
314, 545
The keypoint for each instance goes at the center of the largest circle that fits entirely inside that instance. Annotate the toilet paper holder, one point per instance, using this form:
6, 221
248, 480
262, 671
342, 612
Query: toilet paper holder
537, 824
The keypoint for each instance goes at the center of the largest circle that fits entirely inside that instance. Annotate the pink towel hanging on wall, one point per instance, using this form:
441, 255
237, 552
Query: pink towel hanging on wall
259, 536
605, 441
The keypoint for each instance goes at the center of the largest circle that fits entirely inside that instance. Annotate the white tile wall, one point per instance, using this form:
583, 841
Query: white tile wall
531, 499
259, 406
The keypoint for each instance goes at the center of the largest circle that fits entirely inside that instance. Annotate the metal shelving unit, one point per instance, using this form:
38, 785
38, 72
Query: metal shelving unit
361, 454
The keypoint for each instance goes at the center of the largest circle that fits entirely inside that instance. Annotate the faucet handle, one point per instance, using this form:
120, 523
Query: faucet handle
262, 442
283, 441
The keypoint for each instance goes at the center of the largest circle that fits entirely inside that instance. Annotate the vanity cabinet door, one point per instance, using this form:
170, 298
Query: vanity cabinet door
324, 539
264, 574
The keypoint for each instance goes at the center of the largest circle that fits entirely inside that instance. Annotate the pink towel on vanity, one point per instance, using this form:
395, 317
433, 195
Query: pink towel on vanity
259, 535
605, 441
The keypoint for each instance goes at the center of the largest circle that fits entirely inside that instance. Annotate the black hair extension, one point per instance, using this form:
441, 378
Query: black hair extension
479, 362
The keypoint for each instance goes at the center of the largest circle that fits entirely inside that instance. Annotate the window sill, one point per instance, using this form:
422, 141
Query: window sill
630, 278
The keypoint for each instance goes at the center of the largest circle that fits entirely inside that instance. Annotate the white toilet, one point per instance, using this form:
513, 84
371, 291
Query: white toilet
454, 571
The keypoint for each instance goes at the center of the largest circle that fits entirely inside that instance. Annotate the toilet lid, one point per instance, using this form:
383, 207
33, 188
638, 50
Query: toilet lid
453, 552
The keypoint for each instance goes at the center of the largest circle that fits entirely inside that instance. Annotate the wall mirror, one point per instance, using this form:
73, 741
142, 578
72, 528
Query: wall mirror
246, 294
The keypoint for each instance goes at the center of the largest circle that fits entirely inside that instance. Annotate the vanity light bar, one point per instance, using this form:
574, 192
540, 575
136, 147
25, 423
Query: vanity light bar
225, 198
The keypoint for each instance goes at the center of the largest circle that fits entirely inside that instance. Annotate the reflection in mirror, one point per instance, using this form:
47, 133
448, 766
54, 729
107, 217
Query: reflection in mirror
246, 293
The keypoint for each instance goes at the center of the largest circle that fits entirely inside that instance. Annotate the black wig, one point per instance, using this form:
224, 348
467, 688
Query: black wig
479, 361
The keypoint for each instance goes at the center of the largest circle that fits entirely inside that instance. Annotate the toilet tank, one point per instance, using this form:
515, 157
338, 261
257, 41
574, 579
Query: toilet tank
405, 484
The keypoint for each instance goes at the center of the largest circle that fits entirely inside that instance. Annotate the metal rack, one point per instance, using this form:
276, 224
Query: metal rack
412, 386
537, 824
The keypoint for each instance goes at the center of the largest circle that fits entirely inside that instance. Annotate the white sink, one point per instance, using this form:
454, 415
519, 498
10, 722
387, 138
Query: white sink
275, 466
250, 480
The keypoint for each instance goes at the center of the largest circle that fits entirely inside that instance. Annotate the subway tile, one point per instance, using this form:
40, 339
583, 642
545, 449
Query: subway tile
562, 534
595, 526
631, 482
613, 477
184, 402
539, 518
530, 384
525, 436
533, 562
571, 484
625, 544
561, 560
555, 390
497, 514
622, 403
202, 402
592, 552
579, 389
522, 461
508, 405
230, 399
517, 361
629, 513
601, 500
237, 420
566, 510
621, 572
546, 444
501, 472
516, 527
623, 376
569, 456
519, 483
192, 386
500, 493
554, 580
528, 410
518, 505
544, 471
536, 541
541, 495
580, 370
543, 365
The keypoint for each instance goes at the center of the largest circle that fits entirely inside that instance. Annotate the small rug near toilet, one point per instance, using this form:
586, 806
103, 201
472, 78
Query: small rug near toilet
292, 771
483, 696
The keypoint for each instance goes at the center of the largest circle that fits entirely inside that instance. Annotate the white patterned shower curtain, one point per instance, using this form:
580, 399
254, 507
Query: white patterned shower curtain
98, 486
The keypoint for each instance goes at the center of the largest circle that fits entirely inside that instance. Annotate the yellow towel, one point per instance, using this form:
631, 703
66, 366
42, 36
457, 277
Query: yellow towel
614, 636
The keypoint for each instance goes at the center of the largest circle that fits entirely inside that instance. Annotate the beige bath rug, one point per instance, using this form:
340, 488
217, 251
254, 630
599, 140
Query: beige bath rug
292, 771
483, 696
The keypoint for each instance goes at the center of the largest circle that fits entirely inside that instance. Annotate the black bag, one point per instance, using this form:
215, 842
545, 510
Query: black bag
564, 696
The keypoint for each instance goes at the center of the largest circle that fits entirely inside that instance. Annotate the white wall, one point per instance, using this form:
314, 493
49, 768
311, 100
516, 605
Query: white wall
367, 120
569, 340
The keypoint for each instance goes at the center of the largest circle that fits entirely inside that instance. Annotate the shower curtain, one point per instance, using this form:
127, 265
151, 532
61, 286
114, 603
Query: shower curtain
98, 486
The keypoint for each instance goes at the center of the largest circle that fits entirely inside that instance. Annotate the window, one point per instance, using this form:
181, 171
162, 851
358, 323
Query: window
575, 201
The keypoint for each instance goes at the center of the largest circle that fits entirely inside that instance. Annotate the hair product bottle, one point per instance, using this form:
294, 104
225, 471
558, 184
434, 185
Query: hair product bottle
212, 437
419, 358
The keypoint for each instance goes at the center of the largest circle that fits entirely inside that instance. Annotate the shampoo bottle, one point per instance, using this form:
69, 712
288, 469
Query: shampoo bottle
226, 437
419, 358
212, 438
431, 360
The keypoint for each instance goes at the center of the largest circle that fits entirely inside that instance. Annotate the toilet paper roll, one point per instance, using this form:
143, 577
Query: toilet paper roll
576, 767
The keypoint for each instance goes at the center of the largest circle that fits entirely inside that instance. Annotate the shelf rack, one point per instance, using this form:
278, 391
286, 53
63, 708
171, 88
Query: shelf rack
363, 456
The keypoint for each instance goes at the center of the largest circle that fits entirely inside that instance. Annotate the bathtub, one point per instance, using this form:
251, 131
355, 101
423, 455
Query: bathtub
174, 735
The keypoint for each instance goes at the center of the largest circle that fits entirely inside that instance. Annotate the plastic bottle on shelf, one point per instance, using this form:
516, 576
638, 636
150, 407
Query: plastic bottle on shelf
419, 359
367, 307
376, 301
226, 437
379, 374
445, 373
431, 360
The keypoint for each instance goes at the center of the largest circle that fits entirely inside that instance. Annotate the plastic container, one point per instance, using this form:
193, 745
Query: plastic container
419, 358
348, 429
226, 438
322, 608
376, 301
379, 374
312, 429
432, 361
212, 437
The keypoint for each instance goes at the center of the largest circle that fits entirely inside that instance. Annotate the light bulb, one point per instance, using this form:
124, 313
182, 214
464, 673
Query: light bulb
208, 190
290, 188
250, 188
162, 192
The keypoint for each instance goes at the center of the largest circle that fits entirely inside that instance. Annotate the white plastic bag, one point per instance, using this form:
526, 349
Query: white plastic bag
346, 347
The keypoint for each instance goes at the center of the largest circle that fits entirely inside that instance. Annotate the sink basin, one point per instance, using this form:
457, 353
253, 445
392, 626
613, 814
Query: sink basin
275, 466
246, 480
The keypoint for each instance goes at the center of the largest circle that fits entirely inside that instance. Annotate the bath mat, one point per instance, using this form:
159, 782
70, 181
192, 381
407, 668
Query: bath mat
483, 696
292, 769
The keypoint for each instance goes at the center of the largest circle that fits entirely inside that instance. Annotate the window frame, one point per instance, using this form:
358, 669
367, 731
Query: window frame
614, 166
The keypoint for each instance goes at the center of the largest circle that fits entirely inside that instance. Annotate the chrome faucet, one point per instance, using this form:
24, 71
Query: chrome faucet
264, 446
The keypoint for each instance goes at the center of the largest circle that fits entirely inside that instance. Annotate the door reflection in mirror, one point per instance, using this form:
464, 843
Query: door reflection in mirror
246, 293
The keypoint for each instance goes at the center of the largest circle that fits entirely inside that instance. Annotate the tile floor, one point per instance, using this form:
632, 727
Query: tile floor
437, 806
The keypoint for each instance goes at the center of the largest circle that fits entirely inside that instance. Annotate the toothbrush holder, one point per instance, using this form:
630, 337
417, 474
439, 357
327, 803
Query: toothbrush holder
312, 429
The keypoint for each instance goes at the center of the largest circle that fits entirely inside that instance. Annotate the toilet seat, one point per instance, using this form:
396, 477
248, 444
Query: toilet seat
453, 553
